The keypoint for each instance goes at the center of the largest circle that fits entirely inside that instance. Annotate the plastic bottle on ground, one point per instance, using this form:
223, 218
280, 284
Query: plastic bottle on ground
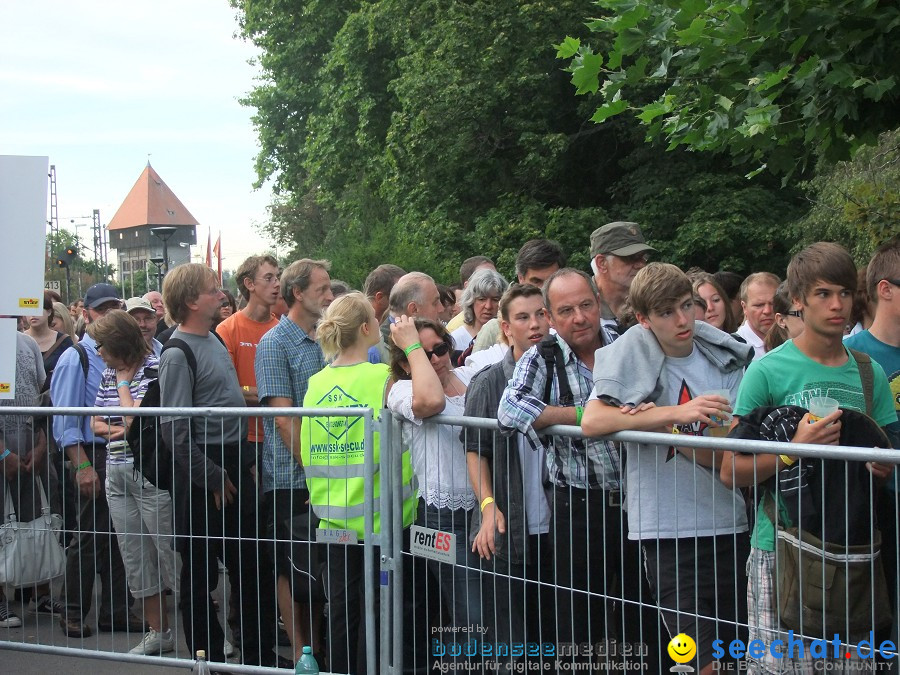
201, 667
307, 664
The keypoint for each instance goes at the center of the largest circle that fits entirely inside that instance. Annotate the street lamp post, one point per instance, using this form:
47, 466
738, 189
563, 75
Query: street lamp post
163, 233
159, 273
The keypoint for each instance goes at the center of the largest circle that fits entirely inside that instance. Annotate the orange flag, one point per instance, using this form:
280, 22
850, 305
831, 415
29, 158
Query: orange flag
217, 249
209, 249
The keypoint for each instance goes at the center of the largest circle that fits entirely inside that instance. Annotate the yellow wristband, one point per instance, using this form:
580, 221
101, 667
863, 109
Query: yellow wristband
787, 460
486, 501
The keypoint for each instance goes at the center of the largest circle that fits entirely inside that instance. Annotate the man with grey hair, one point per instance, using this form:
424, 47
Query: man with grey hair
415, 295
601, 563
618, 252
287, 356
156, 301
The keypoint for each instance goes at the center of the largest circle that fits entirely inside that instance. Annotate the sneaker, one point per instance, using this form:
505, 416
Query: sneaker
229, 649
155, 643
45, 605
8, 618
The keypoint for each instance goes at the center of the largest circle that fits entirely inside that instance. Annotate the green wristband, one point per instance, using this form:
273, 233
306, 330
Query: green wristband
579, 411
123, 383
413, 347
84, 465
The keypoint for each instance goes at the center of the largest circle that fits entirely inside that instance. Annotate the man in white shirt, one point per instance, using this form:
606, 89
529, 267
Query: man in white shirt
757, 298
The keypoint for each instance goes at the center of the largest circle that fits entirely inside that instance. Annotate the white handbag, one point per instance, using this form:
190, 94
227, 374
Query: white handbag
30, 553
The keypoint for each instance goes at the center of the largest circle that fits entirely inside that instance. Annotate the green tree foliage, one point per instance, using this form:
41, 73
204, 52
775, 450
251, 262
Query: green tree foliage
706, 216
857, 202
771, 82
136, 283
83, 265
420, 132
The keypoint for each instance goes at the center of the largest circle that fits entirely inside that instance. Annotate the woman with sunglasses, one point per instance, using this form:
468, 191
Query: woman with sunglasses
788, 320
426, 385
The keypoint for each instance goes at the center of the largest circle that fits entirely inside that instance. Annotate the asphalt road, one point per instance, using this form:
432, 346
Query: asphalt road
45, 630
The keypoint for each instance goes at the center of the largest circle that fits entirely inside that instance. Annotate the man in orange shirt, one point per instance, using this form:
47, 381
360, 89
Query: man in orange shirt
257, 280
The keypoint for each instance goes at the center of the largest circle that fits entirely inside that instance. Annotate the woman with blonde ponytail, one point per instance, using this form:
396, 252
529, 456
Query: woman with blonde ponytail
333, 451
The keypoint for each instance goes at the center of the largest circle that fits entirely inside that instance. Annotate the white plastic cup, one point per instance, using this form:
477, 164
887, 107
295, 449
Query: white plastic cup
821, 406
722, 420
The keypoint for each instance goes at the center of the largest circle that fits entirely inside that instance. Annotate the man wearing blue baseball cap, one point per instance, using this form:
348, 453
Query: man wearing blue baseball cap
75, 382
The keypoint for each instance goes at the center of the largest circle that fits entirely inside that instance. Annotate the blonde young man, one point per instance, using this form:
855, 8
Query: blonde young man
215, 494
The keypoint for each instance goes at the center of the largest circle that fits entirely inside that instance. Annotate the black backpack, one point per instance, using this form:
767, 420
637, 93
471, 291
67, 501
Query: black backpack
152, 455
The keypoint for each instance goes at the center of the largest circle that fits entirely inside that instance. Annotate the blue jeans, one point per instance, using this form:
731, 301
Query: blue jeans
460, 584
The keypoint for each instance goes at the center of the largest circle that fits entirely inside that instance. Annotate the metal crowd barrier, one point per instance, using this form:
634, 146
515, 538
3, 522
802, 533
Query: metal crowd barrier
430, 605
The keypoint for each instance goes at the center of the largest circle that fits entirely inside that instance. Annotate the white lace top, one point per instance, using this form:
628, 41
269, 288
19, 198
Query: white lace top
438, 456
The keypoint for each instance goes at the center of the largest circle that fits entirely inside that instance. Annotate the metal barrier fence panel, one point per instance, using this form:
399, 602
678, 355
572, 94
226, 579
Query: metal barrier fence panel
597, 580
236, 571
588, 579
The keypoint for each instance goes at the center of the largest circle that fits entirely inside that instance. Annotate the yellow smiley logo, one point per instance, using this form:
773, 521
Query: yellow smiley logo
682, 648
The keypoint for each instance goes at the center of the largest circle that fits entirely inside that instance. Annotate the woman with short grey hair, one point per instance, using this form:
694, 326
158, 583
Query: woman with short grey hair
480, 302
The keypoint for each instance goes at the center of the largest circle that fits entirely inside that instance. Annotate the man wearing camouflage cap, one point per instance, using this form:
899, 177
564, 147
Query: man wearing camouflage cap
618, 252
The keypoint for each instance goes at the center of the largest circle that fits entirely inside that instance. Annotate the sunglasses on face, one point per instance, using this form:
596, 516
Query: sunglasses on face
440, 349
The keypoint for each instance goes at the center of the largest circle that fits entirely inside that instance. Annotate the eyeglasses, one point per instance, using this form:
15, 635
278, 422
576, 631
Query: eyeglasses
892, 282
225, 304
440, 349
634, 259
269, 278
795, 312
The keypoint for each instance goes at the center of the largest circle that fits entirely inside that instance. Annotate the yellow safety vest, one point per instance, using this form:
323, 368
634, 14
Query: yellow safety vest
333, 448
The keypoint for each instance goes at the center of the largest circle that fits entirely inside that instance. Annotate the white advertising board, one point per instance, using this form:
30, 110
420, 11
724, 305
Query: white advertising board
23, 227
8, 329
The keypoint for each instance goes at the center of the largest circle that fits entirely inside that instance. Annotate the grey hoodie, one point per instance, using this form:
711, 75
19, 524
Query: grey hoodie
630, 370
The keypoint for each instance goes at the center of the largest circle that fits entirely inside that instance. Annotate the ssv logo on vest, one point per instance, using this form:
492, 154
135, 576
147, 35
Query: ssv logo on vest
433, 544
337, 427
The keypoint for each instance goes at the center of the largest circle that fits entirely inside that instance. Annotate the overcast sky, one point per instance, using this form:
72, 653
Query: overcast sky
98, 85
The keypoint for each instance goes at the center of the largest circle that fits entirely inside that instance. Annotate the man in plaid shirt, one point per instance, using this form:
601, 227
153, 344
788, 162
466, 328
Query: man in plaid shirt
587, 531
287, 356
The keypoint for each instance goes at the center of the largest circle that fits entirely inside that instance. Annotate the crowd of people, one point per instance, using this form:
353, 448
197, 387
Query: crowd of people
558, 540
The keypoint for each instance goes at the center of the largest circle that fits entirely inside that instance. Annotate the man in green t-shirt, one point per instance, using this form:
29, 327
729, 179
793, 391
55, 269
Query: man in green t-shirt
821, 281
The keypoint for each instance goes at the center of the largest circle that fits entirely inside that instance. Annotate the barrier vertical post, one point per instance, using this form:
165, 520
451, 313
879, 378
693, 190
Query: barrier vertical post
385, 579
368, 542
395, 455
